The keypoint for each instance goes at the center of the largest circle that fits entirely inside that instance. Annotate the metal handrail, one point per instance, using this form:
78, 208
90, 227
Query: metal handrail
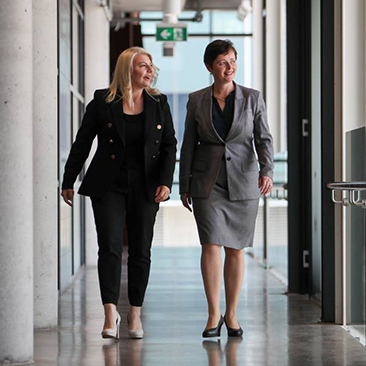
359, 186
277, 189
351, 193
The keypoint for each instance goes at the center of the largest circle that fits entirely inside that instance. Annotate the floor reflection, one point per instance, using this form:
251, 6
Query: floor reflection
231, 351
114, 357
280, 329
111, 354
214, 352
216, 355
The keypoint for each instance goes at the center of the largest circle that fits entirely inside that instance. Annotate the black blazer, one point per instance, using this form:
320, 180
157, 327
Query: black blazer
105, 120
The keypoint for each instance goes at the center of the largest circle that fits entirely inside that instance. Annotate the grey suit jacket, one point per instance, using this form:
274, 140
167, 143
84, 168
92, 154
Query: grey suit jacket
203, 149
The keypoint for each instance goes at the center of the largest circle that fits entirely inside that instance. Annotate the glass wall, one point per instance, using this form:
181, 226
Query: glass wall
71, 108
271, 235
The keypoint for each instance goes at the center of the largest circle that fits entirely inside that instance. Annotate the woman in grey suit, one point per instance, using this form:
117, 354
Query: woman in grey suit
219, 176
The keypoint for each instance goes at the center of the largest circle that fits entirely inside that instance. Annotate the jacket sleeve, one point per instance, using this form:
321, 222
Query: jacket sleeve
81, 147
168, 148
263, 139
189, 146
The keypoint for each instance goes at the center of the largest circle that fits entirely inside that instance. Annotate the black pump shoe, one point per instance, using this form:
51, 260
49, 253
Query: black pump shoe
214, 332
231, 332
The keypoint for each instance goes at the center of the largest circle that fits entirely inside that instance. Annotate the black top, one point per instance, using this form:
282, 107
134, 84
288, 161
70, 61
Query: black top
222, 119
134, 150
134, 137
106, 121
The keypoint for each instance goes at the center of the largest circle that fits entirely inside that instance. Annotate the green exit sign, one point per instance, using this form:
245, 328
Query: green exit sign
172, 33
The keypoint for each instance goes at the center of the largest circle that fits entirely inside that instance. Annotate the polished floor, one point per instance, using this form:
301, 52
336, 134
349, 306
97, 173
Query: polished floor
278, 329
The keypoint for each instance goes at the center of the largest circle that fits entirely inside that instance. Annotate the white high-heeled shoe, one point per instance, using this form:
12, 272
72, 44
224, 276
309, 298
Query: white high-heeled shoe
134, 334
112, 332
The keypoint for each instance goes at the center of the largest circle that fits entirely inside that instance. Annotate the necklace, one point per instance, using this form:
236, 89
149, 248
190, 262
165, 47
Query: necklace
220, 99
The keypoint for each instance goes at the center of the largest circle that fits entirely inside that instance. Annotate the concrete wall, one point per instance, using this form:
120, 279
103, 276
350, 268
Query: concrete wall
16, 182
44, 163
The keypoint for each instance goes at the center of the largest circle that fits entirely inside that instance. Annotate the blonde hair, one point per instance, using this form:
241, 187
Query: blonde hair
122, 76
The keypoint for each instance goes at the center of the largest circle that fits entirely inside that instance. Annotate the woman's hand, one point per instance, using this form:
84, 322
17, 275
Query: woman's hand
186, 200
265, 184
68, 195
161, 194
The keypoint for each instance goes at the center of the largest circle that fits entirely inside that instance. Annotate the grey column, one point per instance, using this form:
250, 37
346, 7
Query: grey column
45, 162
16, 182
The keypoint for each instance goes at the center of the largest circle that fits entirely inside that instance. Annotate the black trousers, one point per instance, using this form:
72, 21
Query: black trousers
126, 201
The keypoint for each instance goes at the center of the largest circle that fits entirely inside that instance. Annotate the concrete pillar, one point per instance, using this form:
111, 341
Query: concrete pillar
258, 45
273, 70
16, 182
96, 77
45, 162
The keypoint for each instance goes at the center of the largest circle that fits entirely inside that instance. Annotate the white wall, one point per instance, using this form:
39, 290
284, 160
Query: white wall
353, 115
258, 45
273, 70
96, 77
353, 64
283, 77
275, 83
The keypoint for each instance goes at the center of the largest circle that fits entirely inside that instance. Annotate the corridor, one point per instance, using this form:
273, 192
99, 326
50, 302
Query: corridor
279, 330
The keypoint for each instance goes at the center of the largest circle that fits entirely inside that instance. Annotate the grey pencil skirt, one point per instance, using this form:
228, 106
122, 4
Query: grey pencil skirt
224, 222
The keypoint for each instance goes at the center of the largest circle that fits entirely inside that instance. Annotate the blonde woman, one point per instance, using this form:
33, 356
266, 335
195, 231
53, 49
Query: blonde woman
130, 174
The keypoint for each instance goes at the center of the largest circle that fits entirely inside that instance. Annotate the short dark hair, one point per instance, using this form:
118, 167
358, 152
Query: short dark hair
218, 47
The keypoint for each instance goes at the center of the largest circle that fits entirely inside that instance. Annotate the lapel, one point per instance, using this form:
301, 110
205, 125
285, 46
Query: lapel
117, 111
207, 105
238, 110
207, 111
149, 114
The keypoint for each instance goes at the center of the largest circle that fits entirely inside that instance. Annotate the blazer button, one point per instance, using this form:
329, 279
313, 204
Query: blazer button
153, 157
109, 125
228, 158
156, 142
111, 141
158, 127
113, 156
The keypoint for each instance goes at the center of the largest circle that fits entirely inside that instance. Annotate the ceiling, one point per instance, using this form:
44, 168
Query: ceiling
119, 6
123, 6
213, 4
